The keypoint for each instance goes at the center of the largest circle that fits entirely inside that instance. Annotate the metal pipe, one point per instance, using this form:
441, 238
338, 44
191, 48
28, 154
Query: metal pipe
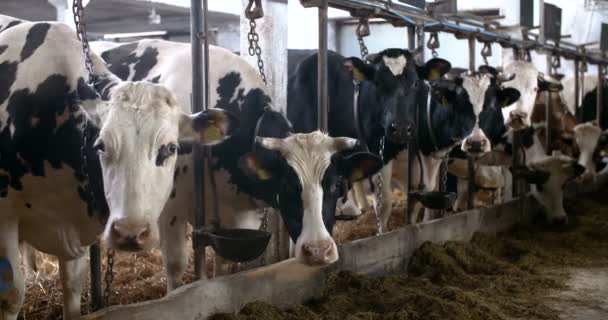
577, 113
411, 38
95, 269
409, 15
600, 96
322, 85
470, 160
197, 33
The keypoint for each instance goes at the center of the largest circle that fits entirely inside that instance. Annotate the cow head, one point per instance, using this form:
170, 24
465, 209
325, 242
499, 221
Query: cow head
396, 87
309, 172
586, 136
141, 127
529, 82
487, 96
559, 170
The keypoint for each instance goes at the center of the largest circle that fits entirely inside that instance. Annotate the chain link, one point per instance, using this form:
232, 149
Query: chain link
109, 277
486, 52
362, 47
81, 31
379, 195
255, 49
433, 44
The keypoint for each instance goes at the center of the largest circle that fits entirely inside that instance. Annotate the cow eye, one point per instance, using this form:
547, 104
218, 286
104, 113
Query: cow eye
99, 147
164, 152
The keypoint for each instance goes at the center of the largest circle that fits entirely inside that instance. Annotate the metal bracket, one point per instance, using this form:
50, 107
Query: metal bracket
252, 13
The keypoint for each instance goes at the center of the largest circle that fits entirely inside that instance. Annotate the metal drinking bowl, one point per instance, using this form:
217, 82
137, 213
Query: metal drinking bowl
239, 245
435, 200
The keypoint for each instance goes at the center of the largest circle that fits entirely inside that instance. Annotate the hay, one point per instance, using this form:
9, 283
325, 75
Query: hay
510, 276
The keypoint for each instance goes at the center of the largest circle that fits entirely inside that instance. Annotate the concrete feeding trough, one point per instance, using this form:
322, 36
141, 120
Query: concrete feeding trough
289, 282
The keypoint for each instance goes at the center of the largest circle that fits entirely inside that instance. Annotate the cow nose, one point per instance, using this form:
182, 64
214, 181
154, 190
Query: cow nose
517, 119
398, 132
129, 236
321, 252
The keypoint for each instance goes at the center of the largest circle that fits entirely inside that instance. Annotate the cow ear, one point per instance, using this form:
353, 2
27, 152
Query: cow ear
252, 166
358, 69
549, 85
435, 68
507, 96
208, 127
359, 166
443, 96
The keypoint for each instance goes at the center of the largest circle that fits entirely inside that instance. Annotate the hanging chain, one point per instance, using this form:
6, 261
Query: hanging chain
109, 277
444, 175
433, 44
555, 63
486, 52
254, 46
81, 31
379, 195
363, 31
527, 56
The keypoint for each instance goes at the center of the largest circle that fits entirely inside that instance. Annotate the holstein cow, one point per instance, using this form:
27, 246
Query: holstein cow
472, 99
262, 165
451, 115
132, 138
528, 117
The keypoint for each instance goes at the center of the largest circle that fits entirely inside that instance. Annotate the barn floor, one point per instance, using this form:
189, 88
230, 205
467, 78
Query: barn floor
531, 272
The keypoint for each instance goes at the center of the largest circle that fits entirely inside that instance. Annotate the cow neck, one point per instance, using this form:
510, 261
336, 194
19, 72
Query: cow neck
428, 117
358, 129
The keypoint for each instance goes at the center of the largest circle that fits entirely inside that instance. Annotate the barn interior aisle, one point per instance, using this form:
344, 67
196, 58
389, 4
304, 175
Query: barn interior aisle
529, 272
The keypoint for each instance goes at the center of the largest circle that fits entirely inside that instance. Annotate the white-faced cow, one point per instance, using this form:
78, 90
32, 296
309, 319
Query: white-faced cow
132, 136
301, 175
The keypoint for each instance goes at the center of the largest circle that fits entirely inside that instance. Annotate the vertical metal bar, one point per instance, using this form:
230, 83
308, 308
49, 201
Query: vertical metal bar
322, 87
600, 96
95, 269
577, 89
196, 34
411, 38
411, 143
470, 160
542, 40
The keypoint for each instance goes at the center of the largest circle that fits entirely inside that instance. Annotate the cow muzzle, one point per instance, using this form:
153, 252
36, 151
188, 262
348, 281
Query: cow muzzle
517, 120
476, 146
128, 236
399, 132
319, 252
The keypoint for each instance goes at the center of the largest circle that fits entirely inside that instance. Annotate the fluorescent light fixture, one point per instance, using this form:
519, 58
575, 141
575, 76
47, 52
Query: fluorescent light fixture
135, 34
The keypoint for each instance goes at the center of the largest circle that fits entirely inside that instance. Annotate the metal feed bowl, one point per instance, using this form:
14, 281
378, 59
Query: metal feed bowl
238, 245
435, 200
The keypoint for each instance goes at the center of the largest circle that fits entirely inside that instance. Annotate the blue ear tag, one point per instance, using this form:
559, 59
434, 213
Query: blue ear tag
6, 276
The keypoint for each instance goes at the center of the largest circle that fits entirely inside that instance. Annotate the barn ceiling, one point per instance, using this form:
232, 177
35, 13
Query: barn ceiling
117, 16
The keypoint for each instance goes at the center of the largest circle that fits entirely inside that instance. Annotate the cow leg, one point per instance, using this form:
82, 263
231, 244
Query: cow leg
12, 286
387, 195
28, 255
73, 274
173, 246
358, 194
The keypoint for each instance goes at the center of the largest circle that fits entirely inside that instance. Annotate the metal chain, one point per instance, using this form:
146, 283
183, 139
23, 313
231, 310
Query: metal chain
264, 227
486, 52
109, 277
363, 31
379, 195
81, 31
555, 63
433, 44
254, 48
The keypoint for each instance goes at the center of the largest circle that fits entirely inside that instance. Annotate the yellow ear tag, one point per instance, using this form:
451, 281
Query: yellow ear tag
211, 134
434, 74
358, 75
357, 175
261, 173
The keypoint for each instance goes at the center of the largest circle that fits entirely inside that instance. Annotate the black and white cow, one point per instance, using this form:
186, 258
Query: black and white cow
300, 174
132, 137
